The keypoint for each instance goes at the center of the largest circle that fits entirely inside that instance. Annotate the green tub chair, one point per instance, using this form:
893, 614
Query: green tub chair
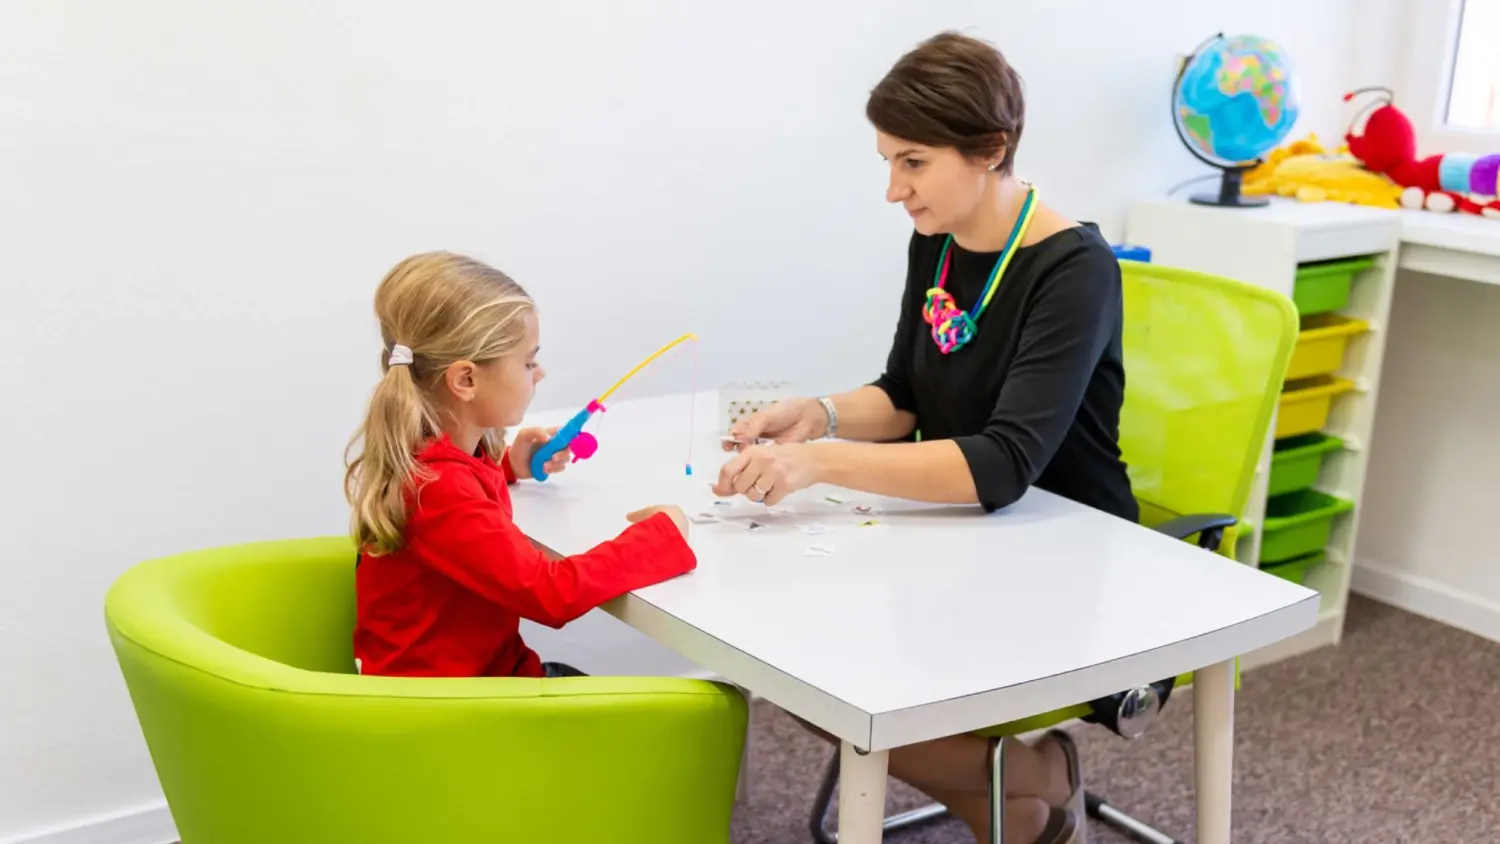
239, 664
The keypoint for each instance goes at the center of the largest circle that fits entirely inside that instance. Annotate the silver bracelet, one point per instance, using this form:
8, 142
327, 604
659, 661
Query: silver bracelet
833, 416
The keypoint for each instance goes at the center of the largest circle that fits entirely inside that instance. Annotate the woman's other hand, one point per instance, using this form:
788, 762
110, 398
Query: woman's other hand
769, 473
787, 421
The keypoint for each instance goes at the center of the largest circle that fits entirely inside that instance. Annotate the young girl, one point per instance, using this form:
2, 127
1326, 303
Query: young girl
444, 575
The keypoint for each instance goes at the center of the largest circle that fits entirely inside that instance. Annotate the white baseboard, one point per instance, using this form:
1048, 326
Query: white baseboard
1428, 598
148, 824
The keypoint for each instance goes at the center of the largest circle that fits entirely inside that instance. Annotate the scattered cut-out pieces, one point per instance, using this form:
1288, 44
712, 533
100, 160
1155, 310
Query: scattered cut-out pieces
777, 511
723, 502
756, 526
864, 509
702, 518
815, 529
871, 523
818, 551
833, 499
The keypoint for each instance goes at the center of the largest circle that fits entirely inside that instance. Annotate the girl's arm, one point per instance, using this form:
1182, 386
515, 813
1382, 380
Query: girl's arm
467, 537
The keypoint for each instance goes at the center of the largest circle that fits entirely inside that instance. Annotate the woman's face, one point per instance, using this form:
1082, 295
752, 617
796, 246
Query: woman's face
938, 186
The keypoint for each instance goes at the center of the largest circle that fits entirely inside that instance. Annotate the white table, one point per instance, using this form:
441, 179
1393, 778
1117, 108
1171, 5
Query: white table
940, 621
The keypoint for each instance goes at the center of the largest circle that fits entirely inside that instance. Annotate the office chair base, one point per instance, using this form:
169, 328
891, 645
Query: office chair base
824, 799
1096, 806
1118, 820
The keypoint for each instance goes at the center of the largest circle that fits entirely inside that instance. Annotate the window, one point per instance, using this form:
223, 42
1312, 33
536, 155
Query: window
1441, 56
1474, 81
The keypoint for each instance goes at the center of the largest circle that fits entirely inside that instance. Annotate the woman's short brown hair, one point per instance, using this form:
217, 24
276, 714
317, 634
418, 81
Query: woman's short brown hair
952, 91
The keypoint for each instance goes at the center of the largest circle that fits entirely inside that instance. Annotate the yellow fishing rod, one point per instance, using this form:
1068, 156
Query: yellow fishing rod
572, 434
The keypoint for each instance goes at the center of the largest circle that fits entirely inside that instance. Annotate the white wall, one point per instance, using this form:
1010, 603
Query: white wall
196, 201
1424, 542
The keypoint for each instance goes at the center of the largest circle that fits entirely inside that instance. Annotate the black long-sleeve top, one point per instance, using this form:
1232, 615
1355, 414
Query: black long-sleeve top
1034, 398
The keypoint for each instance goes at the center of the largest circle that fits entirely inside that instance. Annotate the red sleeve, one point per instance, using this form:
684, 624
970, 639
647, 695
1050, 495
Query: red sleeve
467, 537
509, 470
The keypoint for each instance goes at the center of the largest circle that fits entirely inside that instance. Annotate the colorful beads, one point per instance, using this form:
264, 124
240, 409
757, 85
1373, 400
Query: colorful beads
952, 326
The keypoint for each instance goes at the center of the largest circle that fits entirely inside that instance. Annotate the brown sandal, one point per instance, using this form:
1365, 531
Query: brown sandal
1065, 824
1063, 827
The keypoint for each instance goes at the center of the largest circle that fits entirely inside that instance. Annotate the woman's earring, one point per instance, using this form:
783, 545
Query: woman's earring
994, 167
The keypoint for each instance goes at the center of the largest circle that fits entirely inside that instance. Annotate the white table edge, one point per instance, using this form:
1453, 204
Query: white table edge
766, 681
898, 728
975, 712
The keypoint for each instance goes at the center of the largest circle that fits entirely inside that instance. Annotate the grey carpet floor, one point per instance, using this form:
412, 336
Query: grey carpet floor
1389, 737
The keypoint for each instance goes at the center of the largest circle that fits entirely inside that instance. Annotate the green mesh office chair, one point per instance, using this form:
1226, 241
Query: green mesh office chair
239, 664
1204, 363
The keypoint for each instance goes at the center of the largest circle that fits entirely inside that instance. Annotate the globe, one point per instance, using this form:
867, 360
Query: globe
1234, 100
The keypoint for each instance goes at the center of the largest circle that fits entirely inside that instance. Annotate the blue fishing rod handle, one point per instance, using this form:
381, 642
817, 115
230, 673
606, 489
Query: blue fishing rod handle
547, 450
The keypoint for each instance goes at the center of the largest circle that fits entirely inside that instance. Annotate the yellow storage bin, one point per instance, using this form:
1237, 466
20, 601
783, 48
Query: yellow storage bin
1321, 344
1305, 404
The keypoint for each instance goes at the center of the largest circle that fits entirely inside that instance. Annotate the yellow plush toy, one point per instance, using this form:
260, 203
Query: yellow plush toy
1303, 169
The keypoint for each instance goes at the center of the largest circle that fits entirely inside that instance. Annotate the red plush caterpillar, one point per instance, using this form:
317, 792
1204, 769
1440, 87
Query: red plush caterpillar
1451, 182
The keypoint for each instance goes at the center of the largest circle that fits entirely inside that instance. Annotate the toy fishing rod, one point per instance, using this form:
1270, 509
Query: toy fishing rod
583, 443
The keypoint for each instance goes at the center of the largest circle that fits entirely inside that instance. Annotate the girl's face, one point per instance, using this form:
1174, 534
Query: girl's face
938, 186
496, 394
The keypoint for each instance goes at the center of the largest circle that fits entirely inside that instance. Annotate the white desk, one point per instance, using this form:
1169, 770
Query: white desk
942, 621
1454, 245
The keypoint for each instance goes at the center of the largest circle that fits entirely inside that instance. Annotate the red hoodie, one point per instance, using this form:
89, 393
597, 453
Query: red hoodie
449, 602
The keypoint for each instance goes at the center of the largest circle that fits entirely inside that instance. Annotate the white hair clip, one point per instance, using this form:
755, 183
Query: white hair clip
400, 356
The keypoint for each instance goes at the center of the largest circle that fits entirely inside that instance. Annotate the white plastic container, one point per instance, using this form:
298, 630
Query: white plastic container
742, 398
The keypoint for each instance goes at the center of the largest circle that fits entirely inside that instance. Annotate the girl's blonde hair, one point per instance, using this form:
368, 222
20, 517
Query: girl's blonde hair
445, 308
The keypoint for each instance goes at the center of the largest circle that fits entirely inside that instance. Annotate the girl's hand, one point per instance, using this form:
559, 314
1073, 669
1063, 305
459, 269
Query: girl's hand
789, 421
769, 473
526, 442
679, 518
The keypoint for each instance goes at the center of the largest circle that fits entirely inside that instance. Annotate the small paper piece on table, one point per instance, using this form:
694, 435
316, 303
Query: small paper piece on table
702, 518
872, 523
818, 551
864, 509
833, 499
815, 529
756, 526
722, 502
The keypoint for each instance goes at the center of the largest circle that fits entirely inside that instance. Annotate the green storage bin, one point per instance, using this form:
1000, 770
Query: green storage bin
1323, 286
1296, 569
1298, 523
1296, 461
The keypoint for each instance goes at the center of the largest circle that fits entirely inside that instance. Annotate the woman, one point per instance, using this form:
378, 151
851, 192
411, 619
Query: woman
1005, 373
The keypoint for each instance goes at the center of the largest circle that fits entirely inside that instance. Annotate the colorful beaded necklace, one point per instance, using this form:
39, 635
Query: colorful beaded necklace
952, 327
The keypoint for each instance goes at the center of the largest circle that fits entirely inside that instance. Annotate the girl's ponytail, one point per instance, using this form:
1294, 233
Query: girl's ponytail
377, 480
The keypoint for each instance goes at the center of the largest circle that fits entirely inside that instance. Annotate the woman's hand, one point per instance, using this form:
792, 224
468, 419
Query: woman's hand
524, 445
678, 517
787, 421
769, 473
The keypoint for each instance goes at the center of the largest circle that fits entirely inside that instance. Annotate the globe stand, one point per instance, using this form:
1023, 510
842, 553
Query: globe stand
1228, 195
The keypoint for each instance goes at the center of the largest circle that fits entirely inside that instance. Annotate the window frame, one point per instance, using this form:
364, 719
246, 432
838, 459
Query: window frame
1423, 85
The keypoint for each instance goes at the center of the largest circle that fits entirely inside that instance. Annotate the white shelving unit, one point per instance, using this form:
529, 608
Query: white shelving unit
1265, 246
